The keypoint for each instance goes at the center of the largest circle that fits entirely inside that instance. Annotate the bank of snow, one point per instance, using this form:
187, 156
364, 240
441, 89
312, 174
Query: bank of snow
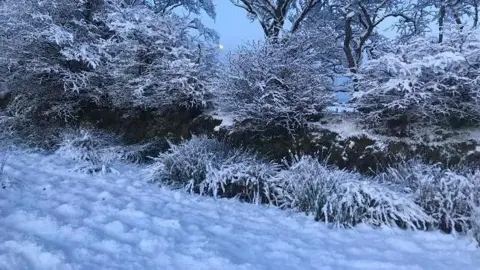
53, 218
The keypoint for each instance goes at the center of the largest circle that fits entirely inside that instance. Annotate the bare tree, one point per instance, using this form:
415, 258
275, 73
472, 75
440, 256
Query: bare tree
273, 14
458, 12
361, 19
475, 10
167, 6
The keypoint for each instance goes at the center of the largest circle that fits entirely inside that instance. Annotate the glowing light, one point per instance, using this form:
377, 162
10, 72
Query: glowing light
220, 46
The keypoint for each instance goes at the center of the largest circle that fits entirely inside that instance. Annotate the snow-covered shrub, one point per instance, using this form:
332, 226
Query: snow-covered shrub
209, 167
445, 195
186, 164
342, 198
60, 57
274, 84
423, 83
243, 176
94, 151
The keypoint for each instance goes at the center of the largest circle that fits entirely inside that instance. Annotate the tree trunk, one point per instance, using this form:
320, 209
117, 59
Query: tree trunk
456, 15
441, 20
475, 15
352, 66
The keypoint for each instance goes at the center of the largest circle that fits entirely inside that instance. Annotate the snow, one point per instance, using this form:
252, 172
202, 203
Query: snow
54, 218
227, 120
340, 109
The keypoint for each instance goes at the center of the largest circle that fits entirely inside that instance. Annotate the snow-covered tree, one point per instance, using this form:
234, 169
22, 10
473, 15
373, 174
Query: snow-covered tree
60, 55
423, 82
274, 14
49, 50
357, 23
194, 6
154, 63
463, 13
274, 84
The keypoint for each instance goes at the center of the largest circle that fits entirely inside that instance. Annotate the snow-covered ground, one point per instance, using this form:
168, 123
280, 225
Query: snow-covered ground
54, 218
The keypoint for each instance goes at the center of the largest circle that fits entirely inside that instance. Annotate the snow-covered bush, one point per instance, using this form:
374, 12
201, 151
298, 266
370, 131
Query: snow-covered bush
60, 57
423, 83
445, 195
274, 84
243, 176
210, 167
186, 164
345, 199
94, 151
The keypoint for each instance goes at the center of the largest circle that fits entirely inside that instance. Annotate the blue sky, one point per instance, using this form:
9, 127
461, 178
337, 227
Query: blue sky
233, 25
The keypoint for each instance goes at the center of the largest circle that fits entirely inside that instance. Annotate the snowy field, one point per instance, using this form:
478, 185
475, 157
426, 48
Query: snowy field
54, 218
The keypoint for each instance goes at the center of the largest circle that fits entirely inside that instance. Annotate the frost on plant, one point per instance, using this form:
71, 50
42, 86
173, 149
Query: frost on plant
274, 84
186, 164
75, 55
154, 64
94, 151
346, 199
423, 83
210, 167
445, 195
244, 176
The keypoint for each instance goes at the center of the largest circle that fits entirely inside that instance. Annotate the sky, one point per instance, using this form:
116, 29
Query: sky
233, 25
235, 28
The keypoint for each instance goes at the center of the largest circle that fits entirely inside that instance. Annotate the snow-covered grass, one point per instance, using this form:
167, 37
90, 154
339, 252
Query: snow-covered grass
449, 197
411, 196
94, 151
210, 167
63, 219
342, 198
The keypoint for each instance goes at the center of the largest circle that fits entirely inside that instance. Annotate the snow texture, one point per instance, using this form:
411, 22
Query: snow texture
56, 218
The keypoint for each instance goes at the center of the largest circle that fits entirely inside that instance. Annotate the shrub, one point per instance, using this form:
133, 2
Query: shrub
243, 176
95, 151
342, 198
447, 196
186, 164
274, 84
210, 167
